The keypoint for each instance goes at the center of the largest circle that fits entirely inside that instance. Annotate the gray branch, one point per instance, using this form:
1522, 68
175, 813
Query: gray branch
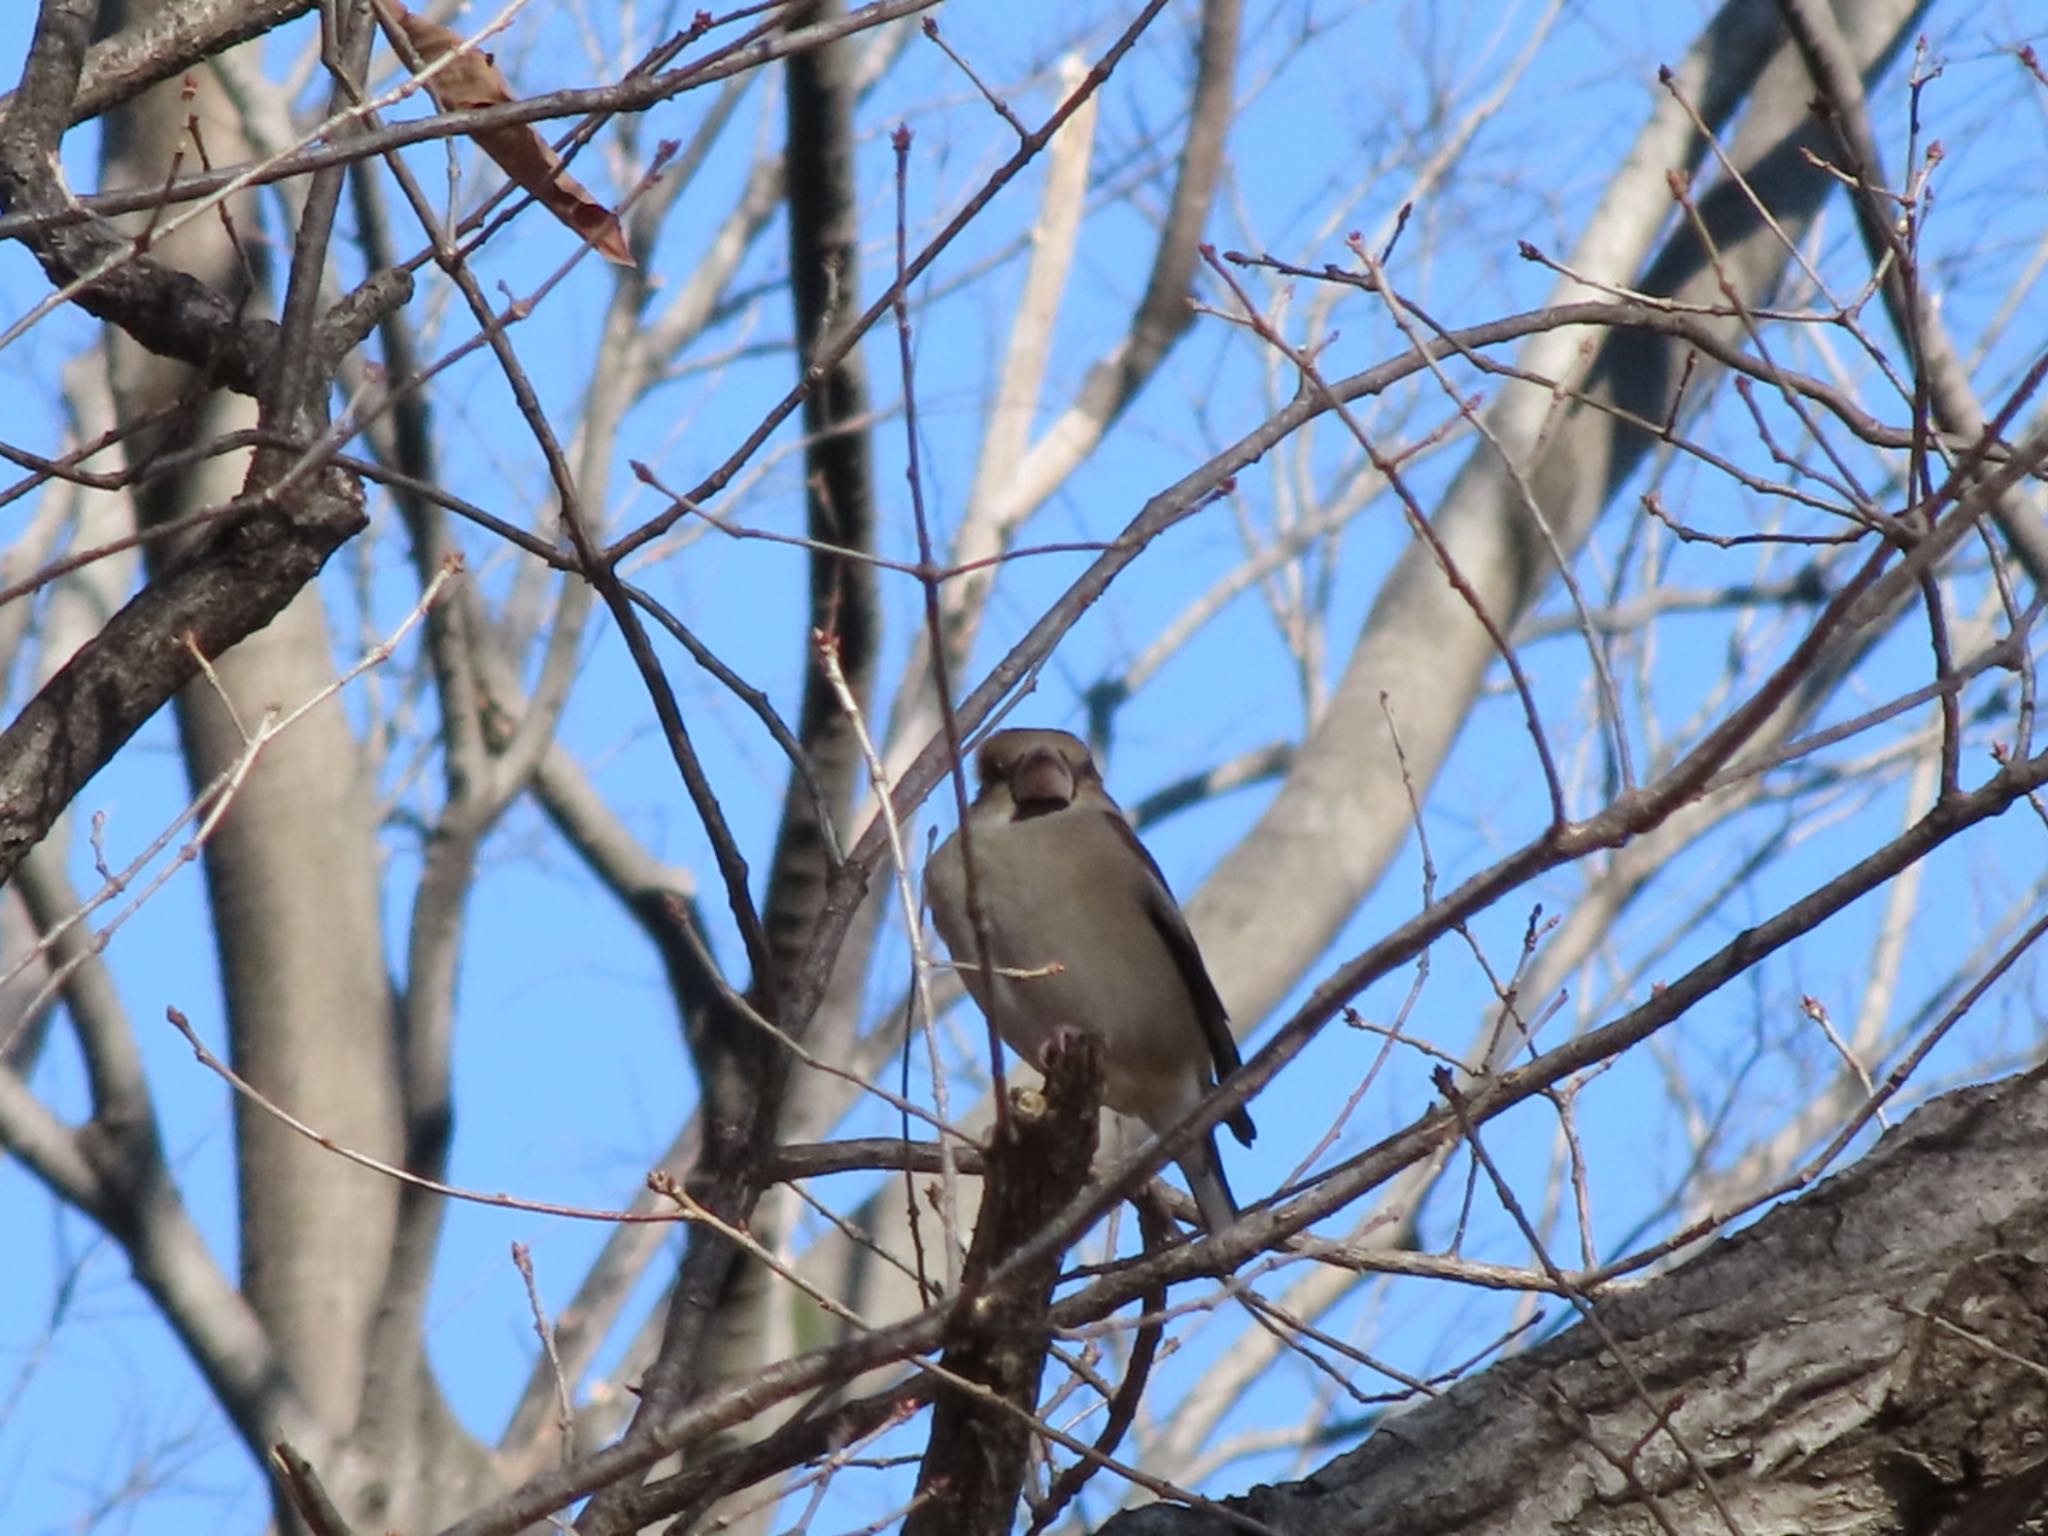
1868, 1359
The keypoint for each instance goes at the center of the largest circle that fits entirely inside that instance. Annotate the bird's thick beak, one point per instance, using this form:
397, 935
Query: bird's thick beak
1042, 779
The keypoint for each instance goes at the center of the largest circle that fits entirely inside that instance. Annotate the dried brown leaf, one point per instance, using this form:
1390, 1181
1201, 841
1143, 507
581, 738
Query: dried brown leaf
471, 79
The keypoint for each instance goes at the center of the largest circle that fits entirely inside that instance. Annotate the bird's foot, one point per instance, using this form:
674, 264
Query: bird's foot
1062, 1041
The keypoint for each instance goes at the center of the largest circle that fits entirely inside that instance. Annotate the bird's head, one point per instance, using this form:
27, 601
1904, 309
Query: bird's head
1036, 772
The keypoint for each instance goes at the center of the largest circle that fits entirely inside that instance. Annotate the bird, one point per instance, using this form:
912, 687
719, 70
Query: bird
1084, 935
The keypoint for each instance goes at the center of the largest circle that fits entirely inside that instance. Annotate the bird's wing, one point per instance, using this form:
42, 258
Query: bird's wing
1172, 927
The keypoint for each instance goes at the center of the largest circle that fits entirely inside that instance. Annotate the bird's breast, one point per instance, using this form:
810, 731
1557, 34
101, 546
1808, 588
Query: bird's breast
1074, 947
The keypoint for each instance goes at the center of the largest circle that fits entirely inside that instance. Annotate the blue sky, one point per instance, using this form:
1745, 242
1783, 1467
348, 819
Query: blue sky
570, 1077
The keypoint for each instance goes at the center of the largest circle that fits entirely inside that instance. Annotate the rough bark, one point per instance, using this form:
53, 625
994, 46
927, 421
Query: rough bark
1867, 1360
981, 1434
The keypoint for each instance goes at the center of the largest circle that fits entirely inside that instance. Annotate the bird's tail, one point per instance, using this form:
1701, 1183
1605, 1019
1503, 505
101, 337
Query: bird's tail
1203, 1170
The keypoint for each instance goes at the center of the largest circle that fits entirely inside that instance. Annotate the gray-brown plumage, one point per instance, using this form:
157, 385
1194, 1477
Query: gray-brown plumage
1070, 892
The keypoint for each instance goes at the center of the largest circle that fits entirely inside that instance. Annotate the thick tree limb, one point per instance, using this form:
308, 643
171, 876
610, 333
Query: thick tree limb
845, 612
1870, 1358
227, 588
839, 489
168, 311
169, 39
974, 1460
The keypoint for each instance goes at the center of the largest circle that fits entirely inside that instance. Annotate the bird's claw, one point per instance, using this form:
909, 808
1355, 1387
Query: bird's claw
1064, 1039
